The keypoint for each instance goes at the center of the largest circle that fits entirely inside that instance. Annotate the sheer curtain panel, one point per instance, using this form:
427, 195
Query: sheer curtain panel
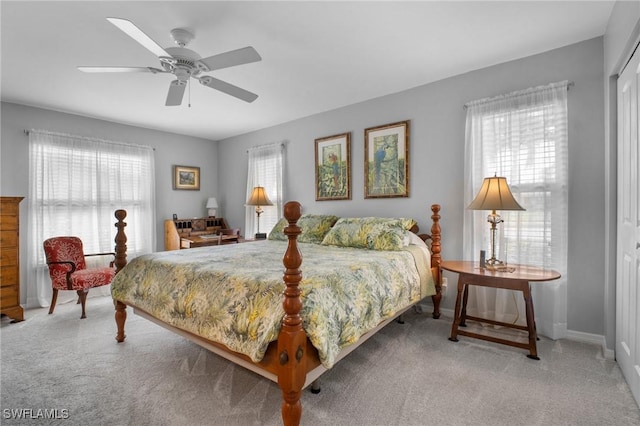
266, 163
523, 137
75, 185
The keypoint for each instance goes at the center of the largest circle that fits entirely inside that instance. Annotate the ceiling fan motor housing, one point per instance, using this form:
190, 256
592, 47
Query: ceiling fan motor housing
183, 59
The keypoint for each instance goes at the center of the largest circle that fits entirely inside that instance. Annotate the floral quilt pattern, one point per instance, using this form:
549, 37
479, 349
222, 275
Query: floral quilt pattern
232, 294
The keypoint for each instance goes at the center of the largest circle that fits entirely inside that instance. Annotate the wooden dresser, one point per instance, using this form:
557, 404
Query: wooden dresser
10, 258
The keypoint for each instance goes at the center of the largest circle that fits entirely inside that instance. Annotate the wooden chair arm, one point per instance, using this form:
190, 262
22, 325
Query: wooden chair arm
104, 254
73, 268
100, 254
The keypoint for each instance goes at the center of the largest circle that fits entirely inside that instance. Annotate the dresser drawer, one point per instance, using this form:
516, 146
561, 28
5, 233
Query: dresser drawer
9, 257
9, 209
8, 276
8, 239
8, 223
8, 297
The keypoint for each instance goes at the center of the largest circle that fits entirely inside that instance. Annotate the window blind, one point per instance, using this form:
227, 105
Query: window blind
265, 168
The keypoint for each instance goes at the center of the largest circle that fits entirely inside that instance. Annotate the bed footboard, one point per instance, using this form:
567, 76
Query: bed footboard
293, 349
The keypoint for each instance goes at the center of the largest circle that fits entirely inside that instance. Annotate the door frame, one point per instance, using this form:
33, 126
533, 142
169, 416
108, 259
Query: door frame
611, 191
629, 364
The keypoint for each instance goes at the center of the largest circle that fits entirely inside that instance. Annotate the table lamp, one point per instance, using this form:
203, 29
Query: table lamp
212, 205
494, 195
259, 198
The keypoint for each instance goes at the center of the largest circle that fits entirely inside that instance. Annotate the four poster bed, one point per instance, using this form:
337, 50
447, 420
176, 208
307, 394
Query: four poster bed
359, 274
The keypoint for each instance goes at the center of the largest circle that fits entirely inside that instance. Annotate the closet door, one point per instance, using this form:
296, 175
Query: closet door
628, 227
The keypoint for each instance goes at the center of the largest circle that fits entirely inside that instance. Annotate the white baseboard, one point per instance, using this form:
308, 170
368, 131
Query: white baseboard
596, 339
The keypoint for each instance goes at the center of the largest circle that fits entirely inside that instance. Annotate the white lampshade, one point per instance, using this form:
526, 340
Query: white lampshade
212, 205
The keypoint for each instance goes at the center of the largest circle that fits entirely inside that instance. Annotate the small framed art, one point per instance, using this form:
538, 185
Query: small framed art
186, 177
333, 167
386, 161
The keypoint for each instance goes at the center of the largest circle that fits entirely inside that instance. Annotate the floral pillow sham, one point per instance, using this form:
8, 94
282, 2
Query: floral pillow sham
373, 233
314, 228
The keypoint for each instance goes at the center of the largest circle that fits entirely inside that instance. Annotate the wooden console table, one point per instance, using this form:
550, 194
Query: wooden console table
469, 273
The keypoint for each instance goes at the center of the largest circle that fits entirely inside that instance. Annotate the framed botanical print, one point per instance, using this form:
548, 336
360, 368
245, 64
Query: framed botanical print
185, 177
386, 161
333, 167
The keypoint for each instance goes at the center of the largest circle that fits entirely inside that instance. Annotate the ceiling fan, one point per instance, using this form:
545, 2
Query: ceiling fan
184, 63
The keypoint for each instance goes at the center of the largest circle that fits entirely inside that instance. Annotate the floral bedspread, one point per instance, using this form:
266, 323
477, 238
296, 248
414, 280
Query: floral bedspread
232, 294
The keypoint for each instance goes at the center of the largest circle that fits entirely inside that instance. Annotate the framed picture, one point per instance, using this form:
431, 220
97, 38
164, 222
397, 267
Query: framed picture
185, 177
386, 161
333, 167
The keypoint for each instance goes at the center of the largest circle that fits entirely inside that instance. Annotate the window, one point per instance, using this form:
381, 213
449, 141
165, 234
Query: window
523, 137
76, 184
265, 169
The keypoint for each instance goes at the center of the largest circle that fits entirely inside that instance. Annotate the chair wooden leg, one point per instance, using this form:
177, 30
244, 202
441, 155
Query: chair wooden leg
54, 299
82, 294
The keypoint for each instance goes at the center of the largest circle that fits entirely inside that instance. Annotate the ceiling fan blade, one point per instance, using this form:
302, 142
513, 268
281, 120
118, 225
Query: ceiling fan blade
229, 89
136, 33
120, 69
232, 58
176, 92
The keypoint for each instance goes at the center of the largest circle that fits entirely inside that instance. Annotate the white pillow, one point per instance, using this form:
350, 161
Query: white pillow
413, 239
424, 248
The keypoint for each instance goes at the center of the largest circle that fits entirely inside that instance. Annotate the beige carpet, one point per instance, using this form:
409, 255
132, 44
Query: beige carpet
408, 374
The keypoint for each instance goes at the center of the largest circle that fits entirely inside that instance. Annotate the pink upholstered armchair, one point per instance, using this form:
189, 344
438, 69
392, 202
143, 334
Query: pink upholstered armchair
68, 269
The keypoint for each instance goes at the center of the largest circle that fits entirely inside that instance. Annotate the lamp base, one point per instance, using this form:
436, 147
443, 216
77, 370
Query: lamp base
261, 236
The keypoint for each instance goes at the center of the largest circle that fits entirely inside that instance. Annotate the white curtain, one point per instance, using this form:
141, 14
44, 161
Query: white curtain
265, 169
523, 137
76, 184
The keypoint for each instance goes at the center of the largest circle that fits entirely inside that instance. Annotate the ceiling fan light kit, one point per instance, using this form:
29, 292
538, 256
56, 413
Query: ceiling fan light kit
184, 63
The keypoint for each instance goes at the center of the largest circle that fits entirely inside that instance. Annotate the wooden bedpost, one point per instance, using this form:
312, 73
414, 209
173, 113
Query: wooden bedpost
292, 340
121, 261
436, 258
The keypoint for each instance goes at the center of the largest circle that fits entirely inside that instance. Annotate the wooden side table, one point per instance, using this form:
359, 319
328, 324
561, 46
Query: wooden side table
469, 273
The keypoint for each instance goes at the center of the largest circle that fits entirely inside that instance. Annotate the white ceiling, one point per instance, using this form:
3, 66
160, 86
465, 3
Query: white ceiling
316, 56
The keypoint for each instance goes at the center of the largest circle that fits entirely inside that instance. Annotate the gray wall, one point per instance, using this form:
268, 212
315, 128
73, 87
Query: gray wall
170, 149
437, 157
